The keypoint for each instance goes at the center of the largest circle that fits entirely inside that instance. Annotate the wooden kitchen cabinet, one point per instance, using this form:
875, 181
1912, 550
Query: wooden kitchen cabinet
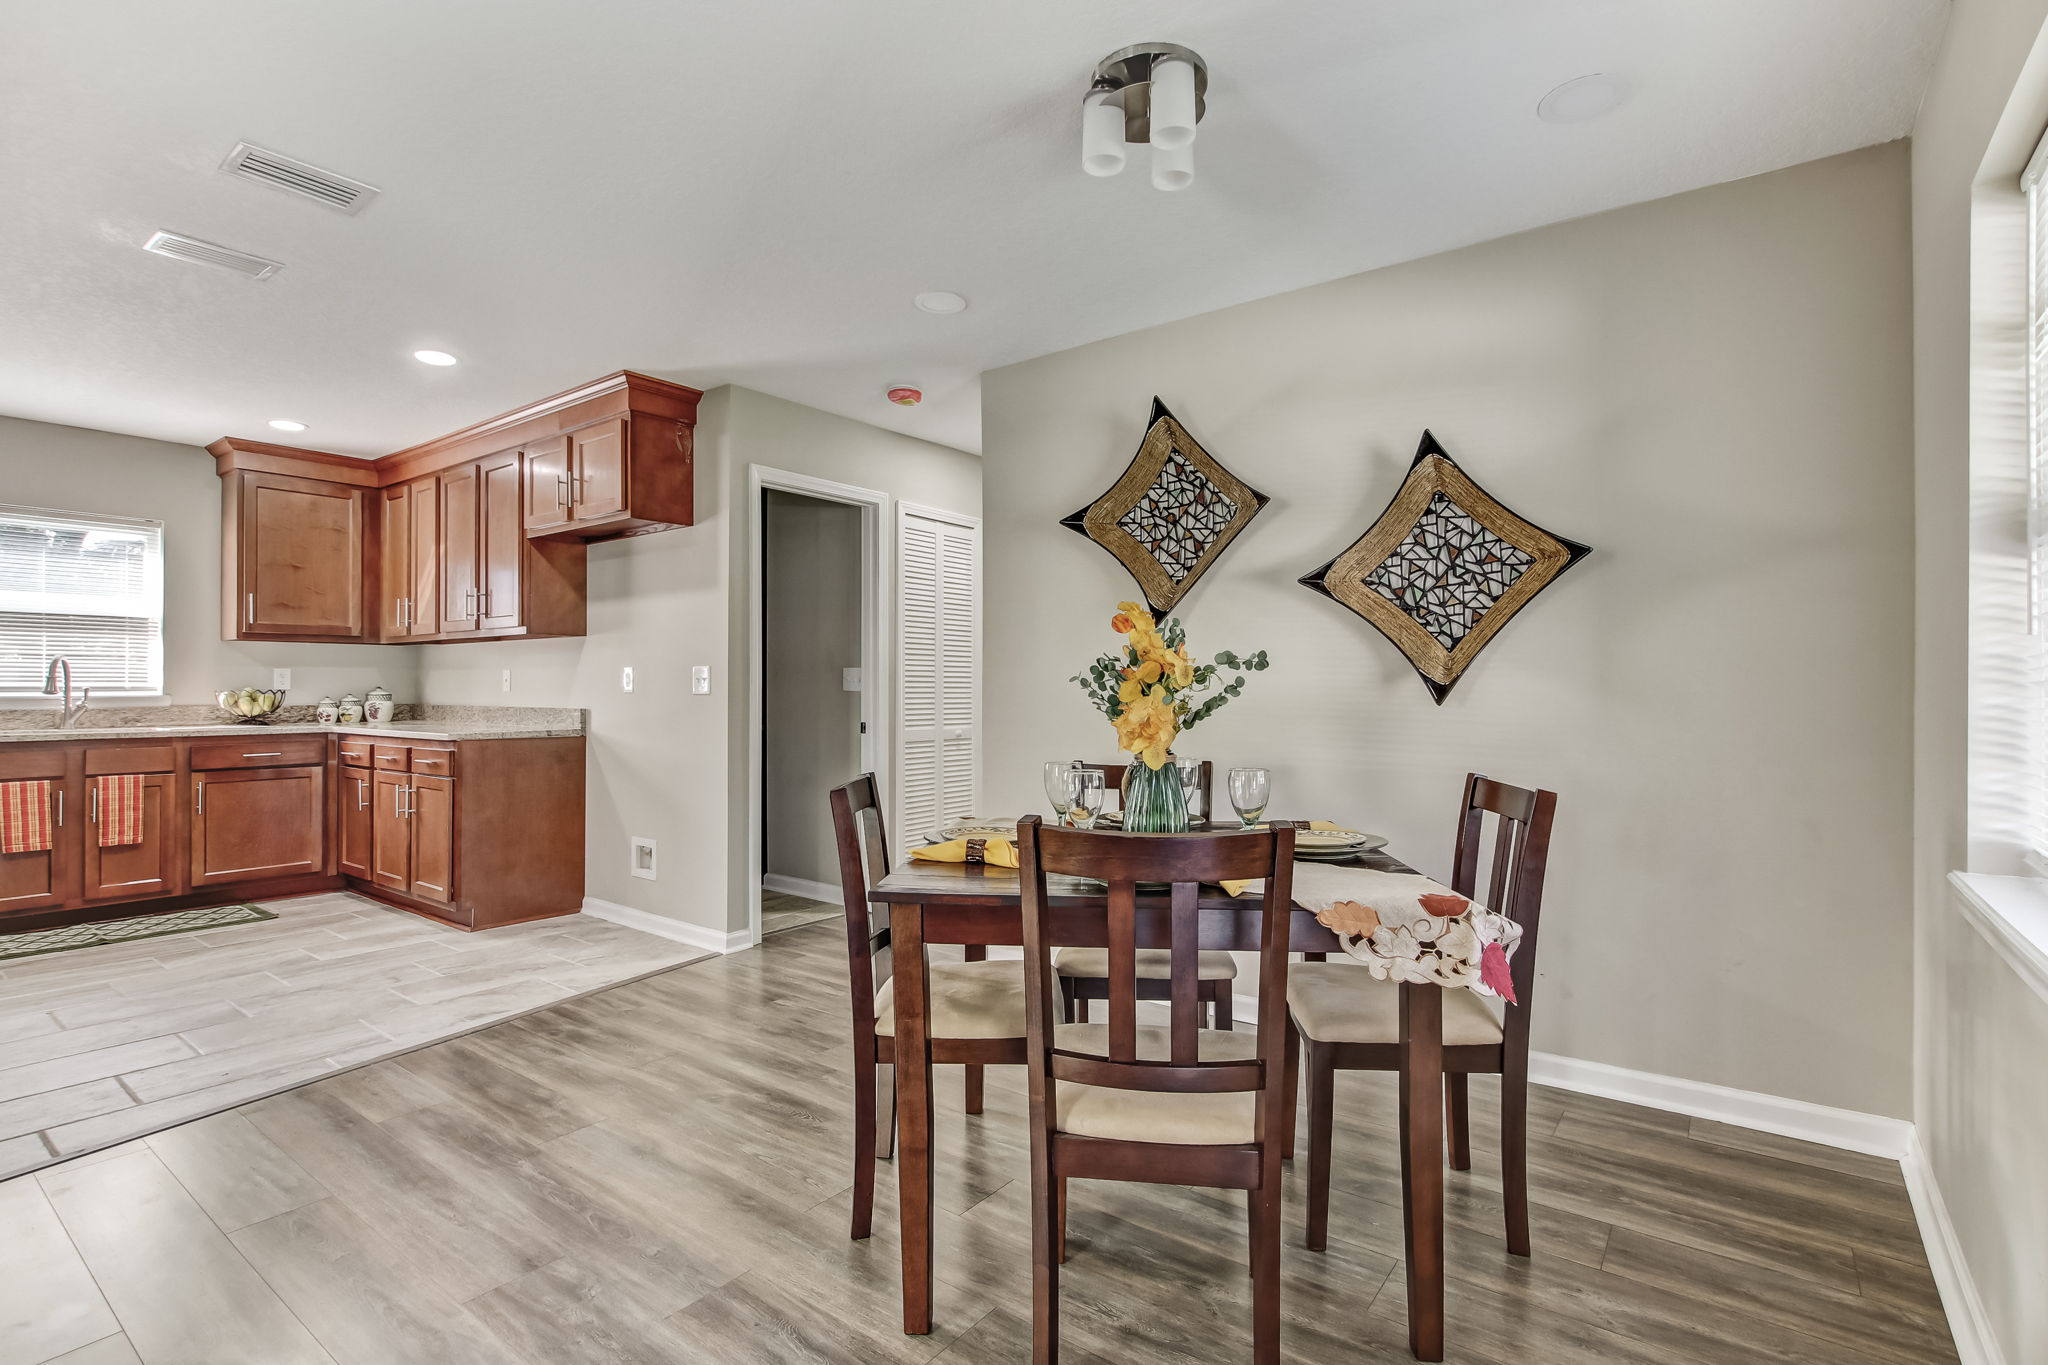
391, 837
622, 476
409, 591
293, 558
138, 871
252, 824
357, 823
499, 583
430, 811
45, 879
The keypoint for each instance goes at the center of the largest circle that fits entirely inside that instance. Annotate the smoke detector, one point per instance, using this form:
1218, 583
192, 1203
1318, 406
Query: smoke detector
302, 178
180, 248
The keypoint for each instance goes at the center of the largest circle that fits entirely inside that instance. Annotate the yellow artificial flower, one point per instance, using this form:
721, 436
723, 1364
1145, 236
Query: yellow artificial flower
1147, 727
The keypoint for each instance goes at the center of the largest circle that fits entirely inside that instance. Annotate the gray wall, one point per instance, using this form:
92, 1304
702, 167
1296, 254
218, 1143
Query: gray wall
74, 469
811, 632
1713, 391
1980, 1033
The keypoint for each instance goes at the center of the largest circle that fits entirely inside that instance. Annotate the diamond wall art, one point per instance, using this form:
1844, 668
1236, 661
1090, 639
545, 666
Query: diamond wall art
1444, 568
1171, 514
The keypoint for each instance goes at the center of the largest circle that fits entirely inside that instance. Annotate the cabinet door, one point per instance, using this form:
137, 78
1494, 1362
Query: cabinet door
598, 470
547, 484
459, 551
391, 831
358, 823
394, 562
423, 588
46, 878
502, 557
300, 546
431, 813
252, 823
150, 867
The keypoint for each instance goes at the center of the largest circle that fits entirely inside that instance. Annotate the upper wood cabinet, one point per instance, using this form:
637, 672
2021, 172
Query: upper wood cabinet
477, 535
292, 553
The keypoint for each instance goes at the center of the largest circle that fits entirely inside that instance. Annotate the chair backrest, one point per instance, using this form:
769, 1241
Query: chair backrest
1113, 775
1184, 862
863, 861
1520, 838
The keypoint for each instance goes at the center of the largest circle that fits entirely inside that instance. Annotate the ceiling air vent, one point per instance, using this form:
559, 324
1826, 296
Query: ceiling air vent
211, 253
294, 176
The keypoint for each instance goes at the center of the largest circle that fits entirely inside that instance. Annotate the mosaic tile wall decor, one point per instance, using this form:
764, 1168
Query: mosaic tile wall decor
1171, 513
1444, 568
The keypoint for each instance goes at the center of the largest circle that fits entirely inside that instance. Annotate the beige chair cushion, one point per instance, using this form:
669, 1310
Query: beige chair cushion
1154, 964
968, 1000
1334, 1002
1101, 1111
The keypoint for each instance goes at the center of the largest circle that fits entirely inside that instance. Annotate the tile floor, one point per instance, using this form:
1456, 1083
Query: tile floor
105, 1044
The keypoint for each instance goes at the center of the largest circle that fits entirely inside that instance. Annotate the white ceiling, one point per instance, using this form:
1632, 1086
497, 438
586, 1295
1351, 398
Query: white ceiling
753, 192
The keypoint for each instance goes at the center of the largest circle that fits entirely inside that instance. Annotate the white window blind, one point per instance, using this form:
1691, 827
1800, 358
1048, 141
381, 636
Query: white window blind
88, 588
938, 641
2034, 666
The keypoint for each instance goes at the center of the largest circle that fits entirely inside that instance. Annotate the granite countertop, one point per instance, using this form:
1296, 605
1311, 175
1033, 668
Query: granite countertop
175, 722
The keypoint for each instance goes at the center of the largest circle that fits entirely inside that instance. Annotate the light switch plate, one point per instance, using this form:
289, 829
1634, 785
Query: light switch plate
700, 679
849, 680
281, 678
626, 678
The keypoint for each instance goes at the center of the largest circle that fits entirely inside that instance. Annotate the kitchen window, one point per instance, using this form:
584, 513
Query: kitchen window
90, 588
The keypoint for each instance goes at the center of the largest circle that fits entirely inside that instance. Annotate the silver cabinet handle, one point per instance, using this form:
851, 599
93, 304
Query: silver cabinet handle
483, 602
252, 609
561, 490
60, 808
95, 803
199, 796
469, 611
268, 753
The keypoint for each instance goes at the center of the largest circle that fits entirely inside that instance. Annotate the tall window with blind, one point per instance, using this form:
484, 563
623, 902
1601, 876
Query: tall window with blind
2034, 723
88, 588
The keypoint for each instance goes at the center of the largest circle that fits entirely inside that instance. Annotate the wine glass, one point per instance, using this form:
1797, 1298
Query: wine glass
1056, 786
1250, 790
1084, 796
1191, 786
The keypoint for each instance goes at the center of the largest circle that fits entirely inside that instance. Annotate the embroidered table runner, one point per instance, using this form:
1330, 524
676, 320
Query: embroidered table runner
25, 816
1406, 927
118, 808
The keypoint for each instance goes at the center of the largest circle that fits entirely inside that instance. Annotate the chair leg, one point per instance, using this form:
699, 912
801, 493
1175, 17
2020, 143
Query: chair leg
1265, 1218
865, 1082
1291, 1086
1060, 1219
1067, 1000
974, 1087
1322, 1076
1457, 1121
1222, 1006
1080, 1008
1048, 1233
883, 1114
1514, 1151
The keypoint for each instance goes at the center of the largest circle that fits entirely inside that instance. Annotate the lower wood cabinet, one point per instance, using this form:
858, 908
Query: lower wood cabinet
253, 824
413, 835
358, 823
43, 879
154, 866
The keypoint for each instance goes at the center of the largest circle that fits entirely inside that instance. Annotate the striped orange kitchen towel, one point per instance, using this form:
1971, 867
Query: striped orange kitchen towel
117, 805
25, 816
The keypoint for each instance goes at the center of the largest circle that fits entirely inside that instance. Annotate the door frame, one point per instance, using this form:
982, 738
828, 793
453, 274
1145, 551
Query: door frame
876, 618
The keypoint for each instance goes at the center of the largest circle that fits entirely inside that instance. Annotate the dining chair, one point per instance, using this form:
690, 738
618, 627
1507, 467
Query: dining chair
1179, 1105
1083, 971
1348, 1021
976, 1007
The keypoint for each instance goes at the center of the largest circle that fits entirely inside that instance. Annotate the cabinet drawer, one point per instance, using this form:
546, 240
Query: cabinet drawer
260, 751
131, 758
355, 753
391, 757
19, 763
434, 762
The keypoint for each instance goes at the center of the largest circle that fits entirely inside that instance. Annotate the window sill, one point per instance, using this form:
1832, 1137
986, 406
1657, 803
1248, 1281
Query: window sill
2012, 915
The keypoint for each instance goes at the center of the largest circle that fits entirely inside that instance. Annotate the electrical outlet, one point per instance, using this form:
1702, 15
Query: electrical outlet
505, 681
626, 678
700, 679
849, 680
641, 859
281, 678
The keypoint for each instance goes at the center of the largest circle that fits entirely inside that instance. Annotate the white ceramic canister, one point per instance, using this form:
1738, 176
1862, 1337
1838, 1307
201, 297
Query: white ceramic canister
328, 711
377, 708
351, 712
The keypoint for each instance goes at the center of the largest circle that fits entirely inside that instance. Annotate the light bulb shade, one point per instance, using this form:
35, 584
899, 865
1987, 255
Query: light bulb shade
1102, 135
1173, 168
1173, 104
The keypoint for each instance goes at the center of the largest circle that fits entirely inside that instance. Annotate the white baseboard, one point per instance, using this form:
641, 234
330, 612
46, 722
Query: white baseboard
800, 886
1968, 1323
1849, 1129
696, 935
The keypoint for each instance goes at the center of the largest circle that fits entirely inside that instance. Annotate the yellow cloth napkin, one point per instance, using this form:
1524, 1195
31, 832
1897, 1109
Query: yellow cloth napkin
994, 852
1237, 888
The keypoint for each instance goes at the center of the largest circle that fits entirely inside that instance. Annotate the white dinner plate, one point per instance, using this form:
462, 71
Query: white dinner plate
979, 829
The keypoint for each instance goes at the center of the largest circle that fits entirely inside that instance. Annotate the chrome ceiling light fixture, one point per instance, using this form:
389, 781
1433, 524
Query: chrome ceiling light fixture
1154, 93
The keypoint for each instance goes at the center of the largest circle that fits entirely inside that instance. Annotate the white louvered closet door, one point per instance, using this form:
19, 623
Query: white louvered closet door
938, 671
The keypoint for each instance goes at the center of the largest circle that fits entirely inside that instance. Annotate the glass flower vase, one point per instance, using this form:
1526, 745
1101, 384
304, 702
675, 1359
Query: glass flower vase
1153, 800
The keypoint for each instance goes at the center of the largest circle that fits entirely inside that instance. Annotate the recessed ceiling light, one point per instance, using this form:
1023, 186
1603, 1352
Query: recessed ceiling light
433, 357
1582, 99
942, 302
283, 424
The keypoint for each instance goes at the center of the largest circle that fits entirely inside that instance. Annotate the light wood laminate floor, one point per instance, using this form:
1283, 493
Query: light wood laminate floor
659, 1172
104, 1044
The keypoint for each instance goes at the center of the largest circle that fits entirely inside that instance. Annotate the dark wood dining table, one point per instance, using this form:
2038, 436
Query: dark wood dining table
979, 907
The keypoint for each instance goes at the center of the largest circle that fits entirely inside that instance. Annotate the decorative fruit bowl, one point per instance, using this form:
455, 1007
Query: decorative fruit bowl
250, 705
